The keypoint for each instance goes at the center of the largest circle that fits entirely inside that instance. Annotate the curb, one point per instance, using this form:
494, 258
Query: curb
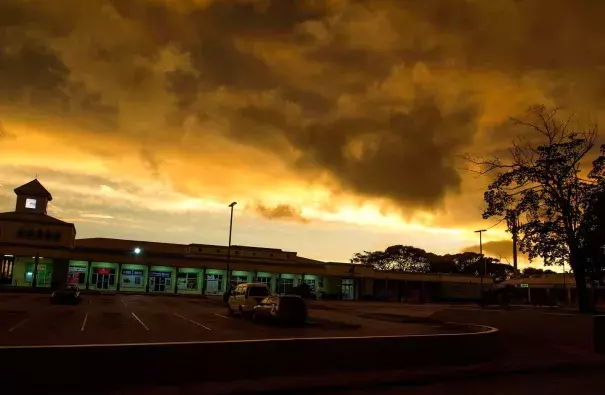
375, 380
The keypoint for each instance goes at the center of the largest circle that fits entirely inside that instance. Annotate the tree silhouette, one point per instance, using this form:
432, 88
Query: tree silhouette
412, 259
542, 185
592, 231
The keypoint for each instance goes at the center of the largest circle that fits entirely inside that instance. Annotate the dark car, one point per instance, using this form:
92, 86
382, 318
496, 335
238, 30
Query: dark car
286, 309
66, 294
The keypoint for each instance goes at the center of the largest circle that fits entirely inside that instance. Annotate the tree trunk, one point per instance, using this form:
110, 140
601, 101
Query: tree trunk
584, 301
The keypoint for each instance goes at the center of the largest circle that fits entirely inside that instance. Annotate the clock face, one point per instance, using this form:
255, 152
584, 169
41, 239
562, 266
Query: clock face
30, 203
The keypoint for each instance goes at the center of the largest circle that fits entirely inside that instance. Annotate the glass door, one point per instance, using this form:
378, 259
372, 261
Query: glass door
160, 285
348, 289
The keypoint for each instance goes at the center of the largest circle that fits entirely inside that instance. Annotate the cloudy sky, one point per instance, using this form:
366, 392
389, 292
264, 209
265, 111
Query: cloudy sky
338, 126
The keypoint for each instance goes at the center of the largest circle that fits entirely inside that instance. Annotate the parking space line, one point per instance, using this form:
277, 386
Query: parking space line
138, 319
124, 303
193, 322
18, 325
227, 318
84, 322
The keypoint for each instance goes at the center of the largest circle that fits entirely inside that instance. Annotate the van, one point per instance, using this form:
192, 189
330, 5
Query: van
245, 296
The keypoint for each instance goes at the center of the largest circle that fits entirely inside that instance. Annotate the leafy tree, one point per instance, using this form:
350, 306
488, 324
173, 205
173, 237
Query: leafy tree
592, 231
532, 270
411, 259
379, 260
408, 258
542, 185
397, 258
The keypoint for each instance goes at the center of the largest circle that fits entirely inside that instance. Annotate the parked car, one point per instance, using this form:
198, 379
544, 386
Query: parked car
66, 294
286, 309
245, 296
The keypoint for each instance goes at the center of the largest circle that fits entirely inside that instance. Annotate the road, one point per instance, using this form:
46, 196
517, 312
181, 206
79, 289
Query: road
559, 383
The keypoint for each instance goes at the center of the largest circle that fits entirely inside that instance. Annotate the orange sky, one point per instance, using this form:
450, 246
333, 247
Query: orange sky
337, 126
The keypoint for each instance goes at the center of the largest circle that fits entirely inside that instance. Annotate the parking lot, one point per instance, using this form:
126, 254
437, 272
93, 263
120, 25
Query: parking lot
30, 319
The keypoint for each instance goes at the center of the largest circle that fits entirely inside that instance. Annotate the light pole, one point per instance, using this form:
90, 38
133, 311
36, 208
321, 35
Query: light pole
483, 259
229, 249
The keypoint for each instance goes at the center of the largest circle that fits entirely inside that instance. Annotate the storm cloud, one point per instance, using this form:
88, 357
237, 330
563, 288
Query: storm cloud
374, 99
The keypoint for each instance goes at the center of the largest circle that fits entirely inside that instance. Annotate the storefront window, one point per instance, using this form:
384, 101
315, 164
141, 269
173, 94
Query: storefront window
45, 274
76, 275
285, 285
239, 279
132, 278
214, 283
311, 284
264, 280
187, 281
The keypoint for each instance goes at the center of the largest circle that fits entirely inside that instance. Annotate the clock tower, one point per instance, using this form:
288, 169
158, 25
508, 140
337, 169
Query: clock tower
32, 198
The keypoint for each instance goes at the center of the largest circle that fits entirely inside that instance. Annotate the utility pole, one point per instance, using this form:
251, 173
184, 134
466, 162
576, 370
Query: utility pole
229, 249
482, 258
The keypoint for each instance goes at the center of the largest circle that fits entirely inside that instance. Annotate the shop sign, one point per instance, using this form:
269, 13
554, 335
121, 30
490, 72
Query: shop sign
79, 269
524, 285
41, 267
130, 272
103, 270
160, 274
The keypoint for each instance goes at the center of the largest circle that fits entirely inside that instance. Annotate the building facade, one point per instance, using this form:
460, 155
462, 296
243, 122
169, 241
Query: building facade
41, 251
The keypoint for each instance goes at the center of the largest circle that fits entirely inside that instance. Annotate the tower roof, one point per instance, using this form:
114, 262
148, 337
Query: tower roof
33, 188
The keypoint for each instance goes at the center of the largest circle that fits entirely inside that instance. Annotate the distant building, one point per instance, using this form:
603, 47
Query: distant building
38, 250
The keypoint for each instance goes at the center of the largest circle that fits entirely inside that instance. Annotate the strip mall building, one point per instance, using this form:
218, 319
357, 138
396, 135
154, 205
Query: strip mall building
39, 251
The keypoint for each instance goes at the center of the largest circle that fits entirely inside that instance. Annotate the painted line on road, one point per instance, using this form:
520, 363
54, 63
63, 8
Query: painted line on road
124, 303
18, 325
193, 322
138, 319
489, 330
222, 316
89, 301
84, 322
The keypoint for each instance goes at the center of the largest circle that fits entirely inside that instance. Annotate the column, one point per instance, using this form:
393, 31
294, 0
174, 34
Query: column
148, 277
35, 277
118, 275
203, 279
88, 264
176, 280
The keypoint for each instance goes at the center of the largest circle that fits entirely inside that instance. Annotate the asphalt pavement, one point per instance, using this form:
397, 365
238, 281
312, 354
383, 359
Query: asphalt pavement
30, 320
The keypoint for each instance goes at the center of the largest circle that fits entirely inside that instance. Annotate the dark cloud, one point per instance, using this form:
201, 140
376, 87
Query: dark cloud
408, 157
347, 93
281, 212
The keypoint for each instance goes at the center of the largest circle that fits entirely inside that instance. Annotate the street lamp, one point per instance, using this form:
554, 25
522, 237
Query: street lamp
229, 249
481, 253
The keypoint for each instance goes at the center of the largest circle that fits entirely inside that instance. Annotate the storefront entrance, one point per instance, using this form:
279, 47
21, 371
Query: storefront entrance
103, 278
160, 281
348, 289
